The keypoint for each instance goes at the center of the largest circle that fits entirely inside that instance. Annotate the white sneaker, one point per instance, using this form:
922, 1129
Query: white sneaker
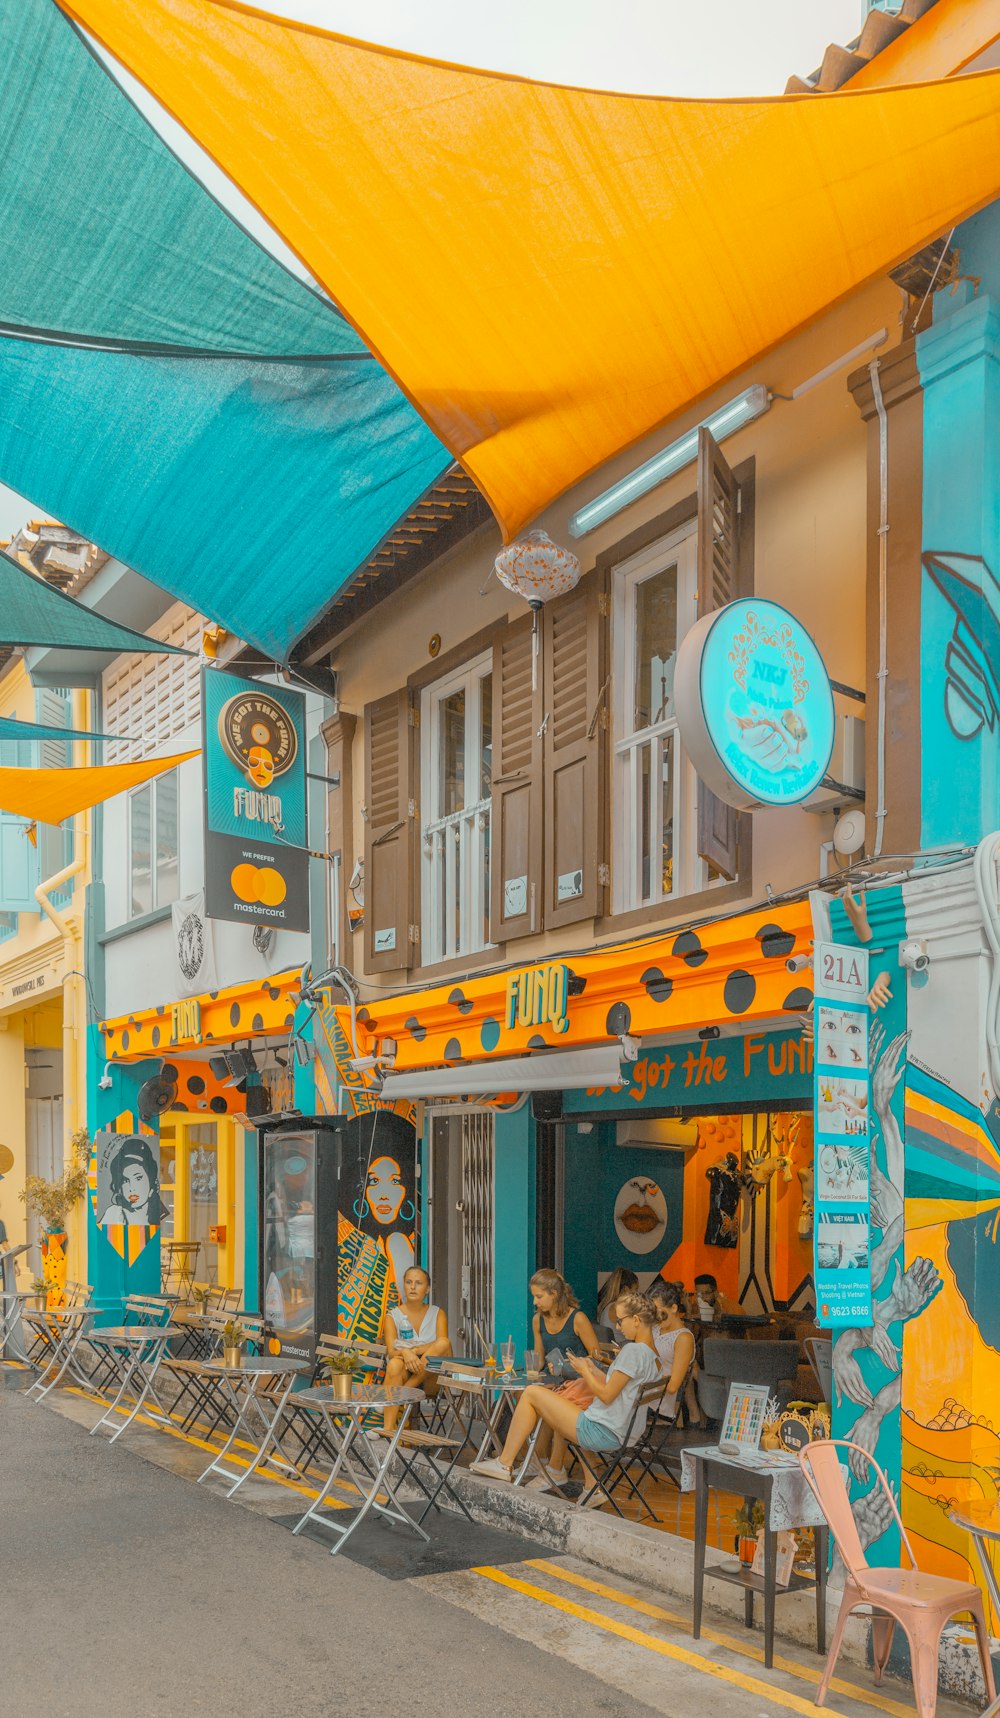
537, 1483
558, 1475
491, 1469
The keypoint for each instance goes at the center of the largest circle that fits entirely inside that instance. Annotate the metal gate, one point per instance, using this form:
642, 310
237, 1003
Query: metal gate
477, 1223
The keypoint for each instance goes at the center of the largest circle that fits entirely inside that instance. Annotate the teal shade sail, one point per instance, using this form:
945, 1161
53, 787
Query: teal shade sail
108, 236
250, 478
25, 732
251, 489
35, 613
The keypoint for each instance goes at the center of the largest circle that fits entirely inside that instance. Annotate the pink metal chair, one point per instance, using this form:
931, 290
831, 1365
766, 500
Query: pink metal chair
920, 1603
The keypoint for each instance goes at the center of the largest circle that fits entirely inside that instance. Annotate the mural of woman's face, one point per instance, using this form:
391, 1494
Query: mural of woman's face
136, 1186
385, 1192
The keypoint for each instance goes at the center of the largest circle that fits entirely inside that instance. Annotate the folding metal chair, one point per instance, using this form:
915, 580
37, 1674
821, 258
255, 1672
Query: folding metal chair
646, 1451
441, 1454
307, 1426
613, 1464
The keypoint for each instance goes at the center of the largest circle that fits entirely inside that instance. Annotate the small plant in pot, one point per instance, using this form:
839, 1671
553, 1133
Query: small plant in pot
234, 1338
340, 1369
748, 1521
40, 1293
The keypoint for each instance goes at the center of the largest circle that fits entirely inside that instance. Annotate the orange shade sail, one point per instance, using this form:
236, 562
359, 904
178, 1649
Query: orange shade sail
50, 796
551, 273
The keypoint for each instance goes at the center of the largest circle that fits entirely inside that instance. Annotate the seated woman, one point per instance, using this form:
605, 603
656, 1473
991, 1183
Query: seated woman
620, 1282
604, 1425
673, 1341
559, 1325
412, 1332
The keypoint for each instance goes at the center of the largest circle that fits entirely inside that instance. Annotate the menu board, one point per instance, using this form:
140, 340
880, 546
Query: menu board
842, 1088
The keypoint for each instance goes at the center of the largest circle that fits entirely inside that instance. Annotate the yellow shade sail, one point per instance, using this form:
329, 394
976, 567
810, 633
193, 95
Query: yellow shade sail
551, 273
50, 796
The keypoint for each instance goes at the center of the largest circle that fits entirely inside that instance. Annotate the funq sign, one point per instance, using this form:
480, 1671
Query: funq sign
754, 705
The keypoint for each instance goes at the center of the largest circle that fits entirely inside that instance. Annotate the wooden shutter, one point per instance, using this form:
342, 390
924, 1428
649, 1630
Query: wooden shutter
388, 840
516, 814
722, 831
574, 745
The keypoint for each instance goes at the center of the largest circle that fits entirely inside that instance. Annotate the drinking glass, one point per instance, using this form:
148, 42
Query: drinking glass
508, 1353
532, 1363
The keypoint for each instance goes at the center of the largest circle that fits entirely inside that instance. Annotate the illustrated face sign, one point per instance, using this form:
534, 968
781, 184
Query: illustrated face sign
754, 705
128, 1180
640, 1215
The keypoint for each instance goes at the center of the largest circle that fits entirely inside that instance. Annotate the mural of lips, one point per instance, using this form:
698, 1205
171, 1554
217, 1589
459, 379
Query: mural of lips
640, 1219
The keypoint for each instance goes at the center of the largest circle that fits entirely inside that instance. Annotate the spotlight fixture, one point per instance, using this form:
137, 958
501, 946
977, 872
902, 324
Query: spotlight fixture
798, 962
710, 1032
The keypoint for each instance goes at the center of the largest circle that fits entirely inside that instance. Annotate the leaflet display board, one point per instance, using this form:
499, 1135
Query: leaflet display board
842, 1081
256, 863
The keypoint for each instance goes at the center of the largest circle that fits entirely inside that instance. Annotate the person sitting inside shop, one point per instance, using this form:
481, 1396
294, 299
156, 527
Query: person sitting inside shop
413, 1333
558, 1330
605, 1424
708, 1304
621, 1281
674, 1344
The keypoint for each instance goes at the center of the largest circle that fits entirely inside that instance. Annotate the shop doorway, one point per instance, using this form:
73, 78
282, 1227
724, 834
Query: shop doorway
461, 1207
198, 1183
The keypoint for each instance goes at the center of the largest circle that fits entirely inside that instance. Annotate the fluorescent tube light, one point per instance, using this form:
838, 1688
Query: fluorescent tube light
752, 403
568, 1070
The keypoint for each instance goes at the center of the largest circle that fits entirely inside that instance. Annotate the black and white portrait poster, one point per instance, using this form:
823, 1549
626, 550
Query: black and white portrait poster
128, 1180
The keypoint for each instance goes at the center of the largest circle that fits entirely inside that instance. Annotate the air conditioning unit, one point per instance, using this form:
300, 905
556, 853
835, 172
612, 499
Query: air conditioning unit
846, 768
669, 1135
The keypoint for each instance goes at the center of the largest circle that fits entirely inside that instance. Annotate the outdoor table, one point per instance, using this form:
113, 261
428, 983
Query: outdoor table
982, 1520
60, 1329
780, 1485
11, 1304
134, 1353
507, 1387
364, 1399
243, 1384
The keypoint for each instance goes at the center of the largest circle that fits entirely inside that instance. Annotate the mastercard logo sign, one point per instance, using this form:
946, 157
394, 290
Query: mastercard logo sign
258, 884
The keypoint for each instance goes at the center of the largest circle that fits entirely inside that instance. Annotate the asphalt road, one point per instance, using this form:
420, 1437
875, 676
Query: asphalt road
129, 1590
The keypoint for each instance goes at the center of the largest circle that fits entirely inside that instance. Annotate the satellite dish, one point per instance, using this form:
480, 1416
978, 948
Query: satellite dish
155, 1097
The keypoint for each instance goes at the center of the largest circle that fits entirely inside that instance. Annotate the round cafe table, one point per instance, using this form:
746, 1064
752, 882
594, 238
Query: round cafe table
369, 1476
257, 1391
982, 1520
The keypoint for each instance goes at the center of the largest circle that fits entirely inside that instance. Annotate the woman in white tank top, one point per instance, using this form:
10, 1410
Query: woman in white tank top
673, 1341
412, 1333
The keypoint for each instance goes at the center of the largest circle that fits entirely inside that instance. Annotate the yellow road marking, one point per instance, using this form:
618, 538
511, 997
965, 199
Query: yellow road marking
665, 1649
748, 1649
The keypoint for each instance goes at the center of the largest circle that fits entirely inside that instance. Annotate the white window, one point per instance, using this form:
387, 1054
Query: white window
456, 776
655, 787
152, 699
153, 845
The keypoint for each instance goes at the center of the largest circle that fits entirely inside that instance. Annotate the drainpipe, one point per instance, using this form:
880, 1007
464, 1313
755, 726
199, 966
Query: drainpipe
70, 929
883, 597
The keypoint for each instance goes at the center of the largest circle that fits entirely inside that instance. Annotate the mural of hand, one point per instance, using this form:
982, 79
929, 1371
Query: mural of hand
915, 1288
880, 992
888, 1068
847, 1373
884, 1347
872, 1515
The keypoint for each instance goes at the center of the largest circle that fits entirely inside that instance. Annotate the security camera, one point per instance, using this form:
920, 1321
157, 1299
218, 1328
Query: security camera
798, 962
913, 955
630, 1047
105, 1082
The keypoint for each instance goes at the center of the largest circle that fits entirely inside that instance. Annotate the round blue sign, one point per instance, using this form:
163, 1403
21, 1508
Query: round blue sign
754, 705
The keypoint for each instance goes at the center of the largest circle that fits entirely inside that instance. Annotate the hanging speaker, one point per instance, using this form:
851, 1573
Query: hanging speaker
258, 1102
547, 1106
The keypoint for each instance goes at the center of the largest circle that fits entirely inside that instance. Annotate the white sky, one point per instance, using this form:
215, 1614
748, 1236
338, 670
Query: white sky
655, 47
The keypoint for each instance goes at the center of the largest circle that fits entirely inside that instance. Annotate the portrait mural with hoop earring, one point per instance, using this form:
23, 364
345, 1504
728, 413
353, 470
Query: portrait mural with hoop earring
377, 1232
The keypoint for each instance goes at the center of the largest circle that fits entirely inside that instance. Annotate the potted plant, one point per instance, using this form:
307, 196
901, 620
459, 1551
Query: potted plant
199, 1294
52, 1201
340, 1369
234, 1337
748, 1521
40, 1293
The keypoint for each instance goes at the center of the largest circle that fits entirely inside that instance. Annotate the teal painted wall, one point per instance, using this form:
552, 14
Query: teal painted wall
595, 1169
959, 364
514, 1224
582, 1213
112, 1278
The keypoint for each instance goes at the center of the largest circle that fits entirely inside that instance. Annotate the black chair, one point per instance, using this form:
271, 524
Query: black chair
610, 1467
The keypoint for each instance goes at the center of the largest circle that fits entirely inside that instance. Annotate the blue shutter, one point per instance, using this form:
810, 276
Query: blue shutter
55, 841
18, 867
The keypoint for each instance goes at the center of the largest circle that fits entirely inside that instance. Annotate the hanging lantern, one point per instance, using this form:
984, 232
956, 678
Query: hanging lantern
537, 569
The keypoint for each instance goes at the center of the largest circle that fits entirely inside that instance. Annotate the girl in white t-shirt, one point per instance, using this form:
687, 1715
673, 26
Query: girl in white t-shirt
604, 1425
673, 1341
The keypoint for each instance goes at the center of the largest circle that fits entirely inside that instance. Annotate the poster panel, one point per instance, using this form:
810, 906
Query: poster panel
256, 863
842, 1091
